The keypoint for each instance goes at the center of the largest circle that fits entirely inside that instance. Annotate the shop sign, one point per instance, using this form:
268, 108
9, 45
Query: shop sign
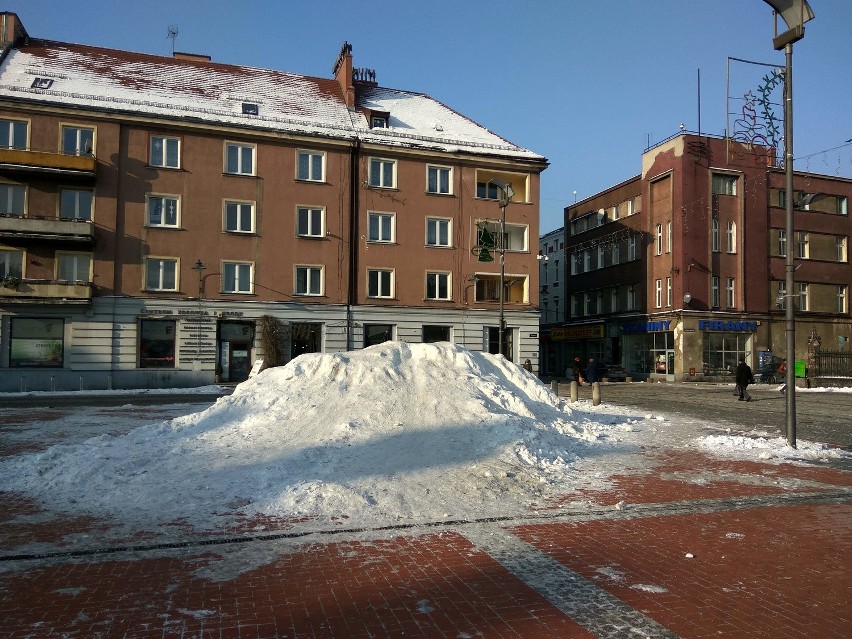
731, 327
647, 327
577, 332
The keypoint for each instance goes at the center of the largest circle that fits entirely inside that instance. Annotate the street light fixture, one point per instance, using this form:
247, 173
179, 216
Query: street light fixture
506, 193
200, 268
794, 13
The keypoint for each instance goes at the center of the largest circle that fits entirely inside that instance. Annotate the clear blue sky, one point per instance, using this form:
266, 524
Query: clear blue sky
586, 84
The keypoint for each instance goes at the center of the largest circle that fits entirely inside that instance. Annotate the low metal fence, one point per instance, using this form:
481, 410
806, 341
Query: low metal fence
832, 363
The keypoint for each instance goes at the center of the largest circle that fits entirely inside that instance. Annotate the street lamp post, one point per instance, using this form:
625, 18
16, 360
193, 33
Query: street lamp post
506, 193
199, 268
794, 13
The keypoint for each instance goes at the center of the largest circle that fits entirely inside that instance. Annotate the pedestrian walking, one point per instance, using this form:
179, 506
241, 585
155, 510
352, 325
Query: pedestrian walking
743, 378
782, 374
577, 371
592, 371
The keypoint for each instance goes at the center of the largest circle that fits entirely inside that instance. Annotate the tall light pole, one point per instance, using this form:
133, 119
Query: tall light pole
199, 268
794, 13
506, 193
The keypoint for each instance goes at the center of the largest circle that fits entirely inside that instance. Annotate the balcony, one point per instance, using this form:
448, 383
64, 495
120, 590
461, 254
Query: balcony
22, 161
46, 228
46, 291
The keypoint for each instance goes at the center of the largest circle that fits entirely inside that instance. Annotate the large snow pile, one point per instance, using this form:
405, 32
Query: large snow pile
390, 434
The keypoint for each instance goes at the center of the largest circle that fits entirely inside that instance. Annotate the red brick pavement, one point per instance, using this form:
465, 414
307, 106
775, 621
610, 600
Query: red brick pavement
775, 569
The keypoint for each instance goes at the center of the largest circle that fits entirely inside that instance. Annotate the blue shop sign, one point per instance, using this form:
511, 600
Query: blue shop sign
647, 327
731, 327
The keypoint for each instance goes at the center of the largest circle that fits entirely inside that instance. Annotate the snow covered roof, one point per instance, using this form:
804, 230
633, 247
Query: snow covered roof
199, 90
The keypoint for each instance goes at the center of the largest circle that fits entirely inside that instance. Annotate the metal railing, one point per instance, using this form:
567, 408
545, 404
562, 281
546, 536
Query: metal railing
832, 363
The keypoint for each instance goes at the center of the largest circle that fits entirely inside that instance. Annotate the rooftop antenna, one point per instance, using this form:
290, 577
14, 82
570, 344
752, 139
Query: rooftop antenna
172, 35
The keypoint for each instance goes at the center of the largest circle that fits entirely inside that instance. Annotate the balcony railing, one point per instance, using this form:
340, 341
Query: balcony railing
44, 162
46, 290
46, 228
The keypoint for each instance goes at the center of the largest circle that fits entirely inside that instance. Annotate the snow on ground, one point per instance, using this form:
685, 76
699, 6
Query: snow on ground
393, 434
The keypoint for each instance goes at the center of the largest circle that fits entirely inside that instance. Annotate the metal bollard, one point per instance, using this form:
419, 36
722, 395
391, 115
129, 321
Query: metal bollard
554, 387
574, 391
596, 393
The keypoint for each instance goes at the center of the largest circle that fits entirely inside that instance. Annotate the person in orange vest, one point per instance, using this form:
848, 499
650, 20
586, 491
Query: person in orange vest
782, 374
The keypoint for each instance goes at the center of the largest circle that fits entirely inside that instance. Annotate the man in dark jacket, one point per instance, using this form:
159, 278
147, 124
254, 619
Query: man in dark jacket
744, 377
592, 371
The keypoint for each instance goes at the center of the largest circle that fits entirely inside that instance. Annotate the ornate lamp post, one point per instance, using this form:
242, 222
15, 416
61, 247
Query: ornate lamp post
506, 193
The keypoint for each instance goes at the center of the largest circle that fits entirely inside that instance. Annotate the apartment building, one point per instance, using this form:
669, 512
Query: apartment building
170, 221
677, 272
552, 287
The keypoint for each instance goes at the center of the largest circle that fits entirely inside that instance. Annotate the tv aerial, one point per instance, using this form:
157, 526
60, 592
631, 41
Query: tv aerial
172, 35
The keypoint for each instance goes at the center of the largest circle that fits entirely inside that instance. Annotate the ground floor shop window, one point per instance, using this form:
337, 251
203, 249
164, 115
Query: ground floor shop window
494, 344
722, 352
377, 333
157, 344
436, 334
305, 337
650, 353
235, 344
37, 342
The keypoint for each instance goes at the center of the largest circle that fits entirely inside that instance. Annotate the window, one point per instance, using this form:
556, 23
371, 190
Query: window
382, 173
781, 300
239, 158
488, 288
36, 342
165, 152
668, 237
164, 211
668, 291
840, 253
310, 166
782, 243
514, 236
438, 179
11, 263
714, 291
658, 293
632, 302
731, 237
613, 300
239, 217
724, 184
379, 283
377, 334
378, 122
75, 205
730, 295
438, 231
587, 260
380, 227
803, 296
309, 280
78, 140
842, 306
658, 239
12, 198
438, 286
74, 267
310, 222
587, 304
157, 344
802, 241
432, 334
489, 191
575, 263
714, 236
631, 248
13, 134
237, 277
601, 253
616, 253
160, 274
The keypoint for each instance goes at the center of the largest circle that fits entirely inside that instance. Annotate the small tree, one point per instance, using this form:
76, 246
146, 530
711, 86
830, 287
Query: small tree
272, 337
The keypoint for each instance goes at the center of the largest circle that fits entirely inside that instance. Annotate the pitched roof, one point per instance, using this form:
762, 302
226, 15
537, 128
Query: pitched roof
214, 93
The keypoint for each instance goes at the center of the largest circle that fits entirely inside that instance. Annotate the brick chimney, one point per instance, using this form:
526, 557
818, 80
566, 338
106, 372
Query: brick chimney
11, 28
343, 74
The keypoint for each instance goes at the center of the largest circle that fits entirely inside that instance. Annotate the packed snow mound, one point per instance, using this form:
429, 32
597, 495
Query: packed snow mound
393, 433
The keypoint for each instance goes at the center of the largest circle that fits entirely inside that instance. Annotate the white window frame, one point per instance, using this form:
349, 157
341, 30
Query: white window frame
669, 236
731, 236
165, 141
13, 133
383, 235
668, 291
306, 217
782, 243
658, 293
238, 273
310, 158
161, 264
240, 147
803, 241
83, 146
75, 203
11, 262
616, 253
437, 279
803, 295
380, 283
309, 280
438, 223
164, 201
715, 240
379, 179
842, 298
840, 248
730, 293
724, 184
658, 239
64, 258
601, 253
237, 209
631, 248
715, 299
438, 171
7, 207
